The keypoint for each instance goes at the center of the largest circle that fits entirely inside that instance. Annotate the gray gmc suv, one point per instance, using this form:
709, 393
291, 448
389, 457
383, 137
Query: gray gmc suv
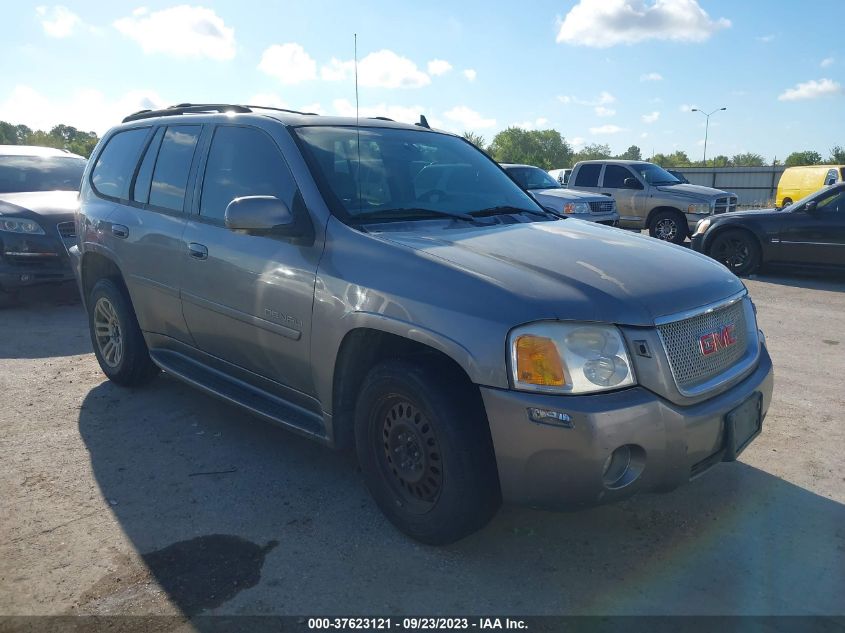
389, 288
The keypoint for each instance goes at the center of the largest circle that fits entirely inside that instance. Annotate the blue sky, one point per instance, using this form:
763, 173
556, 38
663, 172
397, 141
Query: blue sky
619, 72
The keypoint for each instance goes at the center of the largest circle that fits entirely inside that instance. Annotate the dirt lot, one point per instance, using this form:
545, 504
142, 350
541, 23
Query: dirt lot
163, 500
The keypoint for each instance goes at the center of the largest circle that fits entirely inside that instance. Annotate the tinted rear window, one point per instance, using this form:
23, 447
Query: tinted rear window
588, 176
116, 163
34, 173
615, 175
173, 166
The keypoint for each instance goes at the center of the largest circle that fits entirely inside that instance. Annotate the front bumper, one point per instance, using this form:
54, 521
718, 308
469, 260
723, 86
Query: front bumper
561, 468
697, 242
611, 219
27, 260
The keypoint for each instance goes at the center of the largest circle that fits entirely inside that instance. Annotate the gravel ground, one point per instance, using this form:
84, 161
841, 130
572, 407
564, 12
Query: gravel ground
165, 501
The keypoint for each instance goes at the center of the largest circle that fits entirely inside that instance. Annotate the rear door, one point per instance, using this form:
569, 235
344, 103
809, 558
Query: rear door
145, 227
247, 297
816, 238
587, 177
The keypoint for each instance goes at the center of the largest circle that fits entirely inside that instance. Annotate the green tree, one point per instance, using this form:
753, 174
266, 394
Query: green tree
678, 158
546, 149
748, 159
61, 137
475, 139
632, 153
807, 157
594, 151
719, 161
837, 155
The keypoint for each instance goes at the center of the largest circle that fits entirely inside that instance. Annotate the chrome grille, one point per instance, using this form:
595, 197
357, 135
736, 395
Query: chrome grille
681, 340
67, 230
725, 204
601, 206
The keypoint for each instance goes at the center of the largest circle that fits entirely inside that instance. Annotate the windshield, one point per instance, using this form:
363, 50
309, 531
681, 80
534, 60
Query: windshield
532, 178
36, 173
654, 174
795, 206
407, 174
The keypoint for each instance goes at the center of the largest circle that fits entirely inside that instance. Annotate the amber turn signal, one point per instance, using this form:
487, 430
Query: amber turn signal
538, 361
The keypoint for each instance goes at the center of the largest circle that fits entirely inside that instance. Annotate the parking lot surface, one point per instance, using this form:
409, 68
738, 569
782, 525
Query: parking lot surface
165, 501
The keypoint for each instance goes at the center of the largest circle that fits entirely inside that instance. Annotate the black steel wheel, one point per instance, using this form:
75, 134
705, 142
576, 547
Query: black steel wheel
424, 447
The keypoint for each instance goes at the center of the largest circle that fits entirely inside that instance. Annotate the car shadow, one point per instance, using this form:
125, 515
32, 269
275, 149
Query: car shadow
232, 515
35, 310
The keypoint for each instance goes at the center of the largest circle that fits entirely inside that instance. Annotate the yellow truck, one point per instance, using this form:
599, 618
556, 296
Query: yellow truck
797, 182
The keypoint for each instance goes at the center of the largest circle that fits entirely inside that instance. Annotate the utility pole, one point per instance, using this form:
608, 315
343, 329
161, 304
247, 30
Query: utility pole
706, 128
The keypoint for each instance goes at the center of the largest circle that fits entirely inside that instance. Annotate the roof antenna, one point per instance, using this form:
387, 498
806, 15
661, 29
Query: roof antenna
357, 127
424, 122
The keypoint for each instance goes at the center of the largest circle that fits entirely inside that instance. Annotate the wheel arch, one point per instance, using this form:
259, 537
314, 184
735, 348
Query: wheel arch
718, 230
96, 265
361, 349
661, 208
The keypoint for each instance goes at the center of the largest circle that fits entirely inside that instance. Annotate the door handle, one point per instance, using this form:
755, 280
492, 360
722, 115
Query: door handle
118, 230
197, 251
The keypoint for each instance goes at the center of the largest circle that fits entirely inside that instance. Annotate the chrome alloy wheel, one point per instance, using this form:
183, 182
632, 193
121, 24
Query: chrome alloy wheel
108, 333
666, 229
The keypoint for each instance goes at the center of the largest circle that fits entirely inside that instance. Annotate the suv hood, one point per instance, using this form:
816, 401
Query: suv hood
577, 270
568, 194
42, 203
693, 191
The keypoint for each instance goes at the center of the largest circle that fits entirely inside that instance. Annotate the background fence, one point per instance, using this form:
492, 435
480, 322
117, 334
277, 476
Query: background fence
754, 186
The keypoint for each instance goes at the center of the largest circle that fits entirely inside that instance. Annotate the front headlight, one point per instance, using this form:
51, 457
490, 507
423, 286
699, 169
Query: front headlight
572, 358
702, 226
20, 225
699, 208
576, 207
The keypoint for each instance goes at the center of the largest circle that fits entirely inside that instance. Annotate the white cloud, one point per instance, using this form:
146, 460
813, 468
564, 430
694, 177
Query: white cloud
603, 111
602, 99
58, 21
603, 23
536, 124
468, 118
382, 69
765, 38
827, 61
438, 67
651, 118
651, 77
268, 99
687, 108
405, 114
578, 142
812, 89
289, 63
470, 74
86, 109
606, 129
182, 31
644, 135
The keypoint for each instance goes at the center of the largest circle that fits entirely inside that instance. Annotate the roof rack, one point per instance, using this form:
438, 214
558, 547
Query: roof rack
260, 107
186, 108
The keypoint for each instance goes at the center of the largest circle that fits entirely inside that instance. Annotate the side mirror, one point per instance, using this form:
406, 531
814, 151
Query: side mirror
632, 183
259, 213
811, 206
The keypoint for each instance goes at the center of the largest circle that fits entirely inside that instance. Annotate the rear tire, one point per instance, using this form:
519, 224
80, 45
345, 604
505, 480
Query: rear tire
737, 250
118, 343
424, 447
668, 226
786, 202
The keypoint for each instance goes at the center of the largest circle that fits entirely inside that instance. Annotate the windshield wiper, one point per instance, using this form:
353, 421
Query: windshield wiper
504, 209
410, 213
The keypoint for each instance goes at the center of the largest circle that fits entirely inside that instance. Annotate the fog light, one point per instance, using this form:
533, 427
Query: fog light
623, 466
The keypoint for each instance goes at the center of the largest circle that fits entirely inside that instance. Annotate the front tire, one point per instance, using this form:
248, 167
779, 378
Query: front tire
424, 447
668, 226
118, 343
737, 250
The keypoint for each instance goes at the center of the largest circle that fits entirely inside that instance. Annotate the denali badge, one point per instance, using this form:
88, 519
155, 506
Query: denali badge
714, 341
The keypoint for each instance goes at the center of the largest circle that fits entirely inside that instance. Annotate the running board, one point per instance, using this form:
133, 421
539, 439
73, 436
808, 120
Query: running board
255, 400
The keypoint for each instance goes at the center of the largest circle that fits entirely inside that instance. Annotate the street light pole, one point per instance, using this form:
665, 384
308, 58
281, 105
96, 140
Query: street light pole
706, 128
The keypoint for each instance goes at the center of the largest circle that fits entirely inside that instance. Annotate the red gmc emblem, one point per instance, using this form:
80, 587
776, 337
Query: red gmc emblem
714, 341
